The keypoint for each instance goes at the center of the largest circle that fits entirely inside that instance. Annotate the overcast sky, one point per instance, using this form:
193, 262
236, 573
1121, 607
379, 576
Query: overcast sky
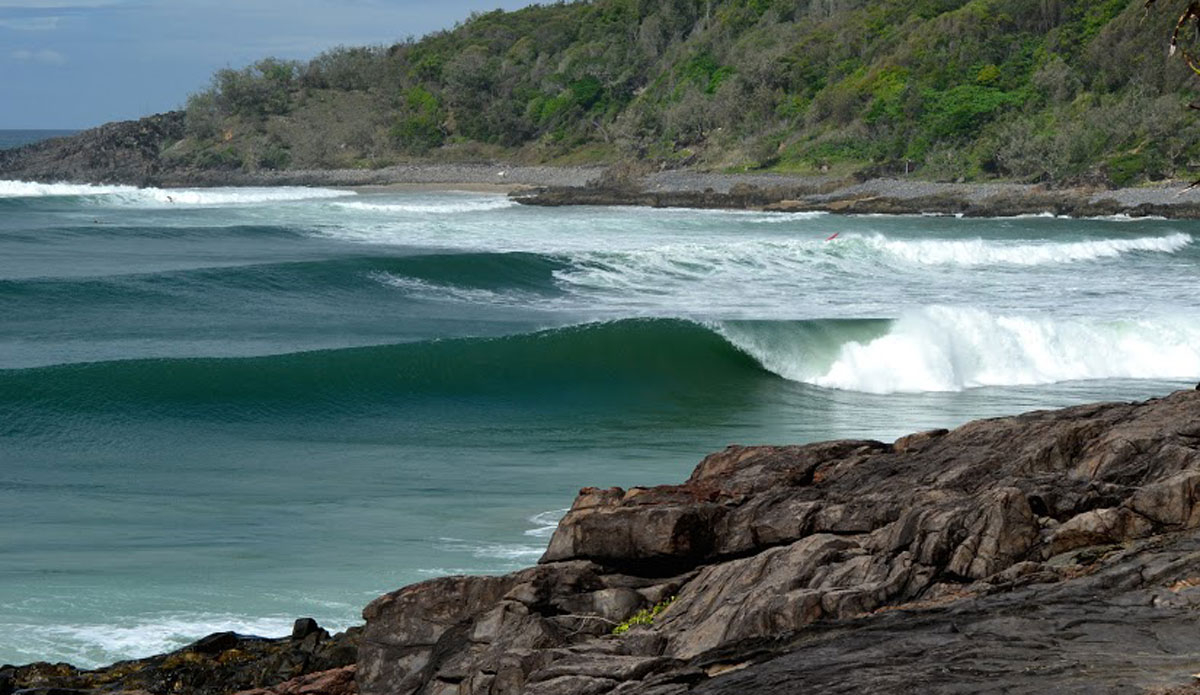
79, 63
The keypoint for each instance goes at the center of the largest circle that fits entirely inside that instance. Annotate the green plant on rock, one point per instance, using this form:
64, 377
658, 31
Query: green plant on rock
643, 618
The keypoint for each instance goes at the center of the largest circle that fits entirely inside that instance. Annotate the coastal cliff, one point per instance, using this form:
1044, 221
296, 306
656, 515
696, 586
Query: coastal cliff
1055, 551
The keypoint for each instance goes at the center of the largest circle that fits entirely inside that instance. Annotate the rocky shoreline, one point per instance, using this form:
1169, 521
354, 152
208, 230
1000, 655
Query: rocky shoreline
779, 193
1056, 551
132, 153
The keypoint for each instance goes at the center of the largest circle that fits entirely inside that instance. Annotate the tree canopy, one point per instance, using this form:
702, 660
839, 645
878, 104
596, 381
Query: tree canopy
1036, 90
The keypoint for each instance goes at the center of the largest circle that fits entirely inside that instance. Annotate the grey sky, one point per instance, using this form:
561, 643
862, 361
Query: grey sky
79, 63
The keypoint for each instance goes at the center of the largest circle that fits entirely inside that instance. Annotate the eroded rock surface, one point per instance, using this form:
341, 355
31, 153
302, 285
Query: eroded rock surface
1053, 551
310, 662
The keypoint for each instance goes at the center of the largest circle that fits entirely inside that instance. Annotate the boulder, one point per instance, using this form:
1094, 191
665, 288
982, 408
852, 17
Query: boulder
766, 553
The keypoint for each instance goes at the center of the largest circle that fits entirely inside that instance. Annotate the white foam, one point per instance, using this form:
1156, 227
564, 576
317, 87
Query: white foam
206, 197
492, 551
545, 523
90, 645
977, 252
952, 349
29, 189
129, 196
430, 290
431, 208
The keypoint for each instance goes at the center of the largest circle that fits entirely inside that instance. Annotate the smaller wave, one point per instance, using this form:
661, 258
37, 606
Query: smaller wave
29, 189
493, 551
164, 197
92, 645
423, 289
442, 208
1122, 217
977, 252
207, 197
545, 523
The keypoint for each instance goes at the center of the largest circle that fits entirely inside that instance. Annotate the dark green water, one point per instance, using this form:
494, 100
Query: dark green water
225, 409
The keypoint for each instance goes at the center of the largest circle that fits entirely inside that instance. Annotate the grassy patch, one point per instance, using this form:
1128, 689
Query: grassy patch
643, 618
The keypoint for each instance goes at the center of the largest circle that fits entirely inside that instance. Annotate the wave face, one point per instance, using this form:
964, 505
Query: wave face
632, 354
932, 350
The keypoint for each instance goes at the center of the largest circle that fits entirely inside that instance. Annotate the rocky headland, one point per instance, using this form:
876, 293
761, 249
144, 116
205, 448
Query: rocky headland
876, 196
139, 153
1056, 551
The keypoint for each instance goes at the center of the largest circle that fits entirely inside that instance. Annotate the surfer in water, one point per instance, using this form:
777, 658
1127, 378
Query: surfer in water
834, 236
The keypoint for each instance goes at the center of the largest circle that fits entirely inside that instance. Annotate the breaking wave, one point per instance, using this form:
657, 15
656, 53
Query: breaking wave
431, 208
130, 196
976, 252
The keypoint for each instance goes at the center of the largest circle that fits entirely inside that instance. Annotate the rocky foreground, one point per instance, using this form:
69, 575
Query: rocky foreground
1056, 551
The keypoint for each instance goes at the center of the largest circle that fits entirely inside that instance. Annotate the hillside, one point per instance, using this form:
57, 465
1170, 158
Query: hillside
1060, 91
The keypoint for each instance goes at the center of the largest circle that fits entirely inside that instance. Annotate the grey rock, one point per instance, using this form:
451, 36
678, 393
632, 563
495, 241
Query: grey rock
1018, 554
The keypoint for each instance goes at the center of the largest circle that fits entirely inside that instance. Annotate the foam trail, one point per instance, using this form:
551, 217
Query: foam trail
129, 196
484, 205
29, 189
546, 523
976, 252
493, 551
91, 645
204, 197
435, 291
951, 349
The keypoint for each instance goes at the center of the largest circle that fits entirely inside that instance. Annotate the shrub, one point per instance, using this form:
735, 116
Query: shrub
643, 618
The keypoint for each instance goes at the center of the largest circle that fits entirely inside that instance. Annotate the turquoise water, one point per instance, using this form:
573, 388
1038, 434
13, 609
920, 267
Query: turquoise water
227, 408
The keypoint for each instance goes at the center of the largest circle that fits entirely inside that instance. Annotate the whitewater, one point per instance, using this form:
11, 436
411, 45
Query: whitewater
227, 408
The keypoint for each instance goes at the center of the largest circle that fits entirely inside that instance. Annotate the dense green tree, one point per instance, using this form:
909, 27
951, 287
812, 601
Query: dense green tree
1045, 90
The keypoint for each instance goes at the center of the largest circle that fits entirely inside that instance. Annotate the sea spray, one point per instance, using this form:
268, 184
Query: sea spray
949, 349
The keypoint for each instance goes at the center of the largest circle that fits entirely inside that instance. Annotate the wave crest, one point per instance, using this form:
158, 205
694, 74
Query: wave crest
978, 252
952, 349
129, 196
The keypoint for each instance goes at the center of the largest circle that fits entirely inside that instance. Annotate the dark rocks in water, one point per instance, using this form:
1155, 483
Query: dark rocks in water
1049, 552
303, 627
218, 664
217, 643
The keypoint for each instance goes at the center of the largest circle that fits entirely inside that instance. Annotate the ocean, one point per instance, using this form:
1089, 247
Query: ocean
16, 138
229, 408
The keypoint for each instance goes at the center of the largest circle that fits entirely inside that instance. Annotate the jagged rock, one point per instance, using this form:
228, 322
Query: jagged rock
303, 627
219, 664
1049, 552
119, 152
335, 682
772, 552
